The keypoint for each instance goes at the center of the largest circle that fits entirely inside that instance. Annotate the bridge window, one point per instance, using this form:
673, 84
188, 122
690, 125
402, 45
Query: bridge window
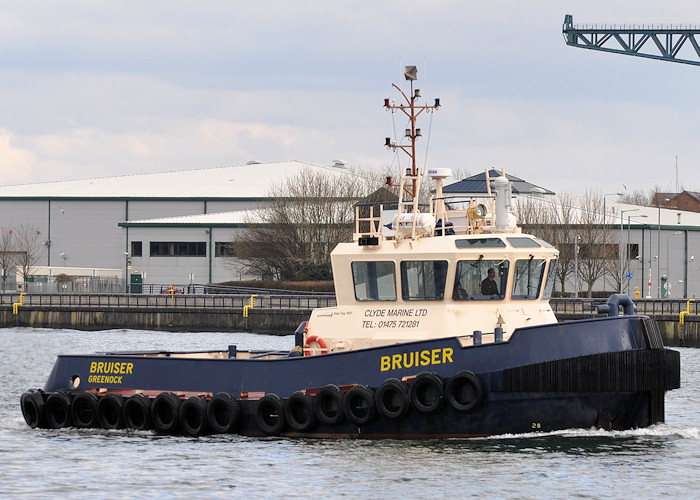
523, 243
480, 279
374, 280
423, 280
528, 278
480, 243
551, 278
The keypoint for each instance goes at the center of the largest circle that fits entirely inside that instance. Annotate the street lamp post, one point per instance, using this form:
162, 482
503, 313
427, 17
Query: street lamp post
668, 270
658, 249
576, 240
605, 220
622, 239
127, 261
643, 216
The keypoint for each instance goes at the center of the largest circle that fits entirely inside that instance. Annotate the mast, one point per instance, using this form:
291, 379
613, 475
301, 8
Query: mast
411, 110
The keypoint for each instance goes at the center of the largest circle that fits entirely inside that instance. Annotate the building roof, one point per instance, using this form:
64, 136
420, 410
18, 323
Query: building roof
244, 182
219, 219
476, 184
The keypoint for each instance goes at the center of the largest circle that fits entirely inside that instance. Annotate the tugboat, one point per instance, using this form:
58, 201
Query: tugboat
442, 329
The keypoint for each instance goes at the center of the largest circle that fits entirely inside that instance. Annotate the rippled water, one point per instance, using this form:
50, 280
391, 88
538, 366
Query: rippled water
662, 460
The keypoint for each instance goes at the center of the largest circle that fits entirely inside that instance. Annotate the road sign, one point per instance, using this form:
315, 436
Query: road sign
628, 276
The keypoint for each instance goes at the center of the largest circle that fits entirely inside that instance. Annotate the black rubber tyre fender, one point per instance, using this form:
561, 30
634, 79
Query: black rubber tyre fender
109, 411
32, 404
193, 416
328, 405
223, 413
83, 410
391, 399
427, 393
137, 412
358, 405
269, 415
57, 409
299, 412
165, 413
464, 392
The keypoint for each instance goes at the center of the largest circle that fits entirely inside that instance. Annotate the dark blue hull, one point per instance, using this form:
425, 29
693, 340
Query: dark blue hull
607, 372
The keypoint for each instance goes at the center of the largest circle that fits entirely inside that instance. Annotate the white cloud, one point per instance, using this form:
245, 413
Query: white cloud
150, 86
16, 164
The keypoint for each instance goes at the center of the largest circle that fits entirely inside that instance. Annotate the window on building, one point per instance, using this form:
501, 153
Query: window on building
374, 280
423, 280
633, 251
178, 249
223, 249
136, 248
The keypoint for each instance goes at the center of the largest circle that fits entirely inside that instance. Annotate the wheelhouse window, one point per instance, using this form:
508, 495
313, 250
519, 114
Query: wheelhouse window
480, 279
423, 280
374, 280
528, 278
551, 278
178, 249
523, 243
480, 243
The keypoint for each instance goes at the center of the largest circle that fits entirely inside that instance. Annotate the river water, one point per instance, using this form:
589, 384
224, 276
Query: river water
646, 463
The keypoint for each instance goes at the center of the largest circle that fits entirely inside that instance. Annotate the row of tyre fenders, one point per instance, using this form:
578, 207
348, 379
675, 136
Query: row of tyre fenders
222, 413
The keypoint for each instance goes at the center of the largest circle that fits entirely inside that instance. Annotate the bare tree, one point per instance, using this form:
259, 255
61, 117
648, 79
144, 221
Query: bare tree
639, 198
595, 236
311, 213
8, 256
27, 244
552, 220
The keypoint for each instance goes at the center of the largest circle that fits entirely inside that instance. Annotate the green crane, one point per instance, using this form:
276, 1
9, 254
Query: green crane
665, 43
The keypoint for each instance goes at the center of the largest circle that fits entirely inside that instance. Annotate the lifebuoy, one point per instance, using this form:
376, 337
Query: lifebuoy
464, 392
223, 413
392, 399
427, 393
137, 412
193, 416
164, 412
83, 410
328, 405
318, 340
32, 404
299, 412
109, 411
358, 405
57, 410
269, 415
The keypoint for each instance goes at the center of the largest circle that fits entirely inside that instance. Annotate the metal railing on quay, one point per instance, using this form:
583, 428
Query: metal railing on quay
201, 289
207, 301
644, 306
294, 301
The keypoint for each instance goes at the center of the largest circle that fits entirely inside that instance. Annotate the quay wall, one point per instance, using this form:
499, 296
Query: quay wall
279, 315
278, 322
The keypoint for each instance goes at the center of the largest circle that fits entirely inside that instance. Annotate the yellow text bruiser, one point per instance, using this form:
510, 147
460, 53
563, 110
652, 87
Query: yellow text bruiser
416, 359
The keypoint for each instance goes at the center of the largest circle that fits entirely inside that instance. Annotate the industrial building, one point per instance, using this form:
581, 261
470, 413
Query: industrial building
174, 227
163, 228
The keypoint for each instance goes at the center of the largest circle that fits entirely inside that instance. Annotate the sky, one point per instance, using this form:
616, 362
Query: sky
95, 89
